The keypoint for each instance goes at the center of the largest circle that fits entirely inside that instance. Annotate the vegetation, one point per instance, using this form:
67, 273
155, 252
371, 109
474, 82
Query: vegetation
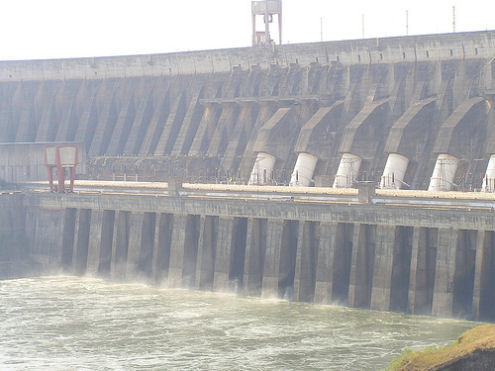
481, 338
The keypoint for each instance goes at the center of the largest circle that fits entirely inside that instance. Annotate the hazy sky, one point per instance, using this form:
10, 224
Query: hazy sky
73, 28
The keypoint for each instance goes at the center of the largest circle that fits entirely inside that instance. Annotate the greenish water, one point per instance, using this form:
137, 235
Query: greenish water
68, 323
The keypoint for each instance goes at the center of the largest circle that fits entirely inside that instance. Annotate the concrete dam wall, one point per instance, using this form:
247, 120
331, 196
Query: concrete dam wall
214, 113
407, 112
423, 260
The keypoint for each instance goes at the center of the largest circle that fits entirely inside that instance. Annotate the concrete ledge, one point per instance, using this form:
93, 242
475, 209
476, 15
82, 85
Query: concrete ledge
428, 217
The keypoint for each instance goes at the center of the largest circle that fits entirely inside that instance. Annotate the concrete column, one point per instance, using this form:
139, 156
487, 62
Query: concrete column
465, 268
183, 251
145, 265
271, 262
443, 292
401, 269
325, 263
205, 265
255, 253
68, 238
177, 251
301, 246
223, 255
135, 243
480, 275
307, 252
81, 241
100, 242
422, 271
95, 228
191, 250
161, 247
382, 273
416, 290
287, 260
361, 266
120, 245
105, 258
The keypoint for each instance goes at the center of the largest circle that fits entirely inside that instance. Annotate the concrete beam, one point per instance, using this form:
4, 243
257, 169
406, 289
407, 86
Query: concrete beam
261, 209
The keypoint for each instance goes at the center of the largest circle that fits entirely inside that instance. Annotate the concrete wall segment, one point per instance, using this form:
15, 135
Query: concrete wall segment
347, 52
331, 213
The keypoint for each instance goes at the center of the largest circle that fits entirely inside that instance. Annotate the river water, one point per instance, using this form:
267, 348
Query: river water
68, 323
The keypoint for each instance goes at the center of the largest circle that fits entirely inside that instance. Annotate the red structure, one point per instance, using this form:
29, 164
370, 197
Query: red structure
267, 9
62, 158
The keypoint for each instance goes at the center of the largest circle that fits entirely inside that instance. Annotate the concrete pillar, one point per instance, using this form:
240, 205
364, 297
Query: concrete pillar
325, 263
416, 289
271, 261
480, 275
135, 243
384, 261
95, 228
68, 238
105, 257
161, 247
484, 294
191, 250
361, 266
177, 251
307, 256
287, 259
223, 255
238, 255
443, 292
205, 266
401, 269
120, 245
140, 249
300, 268
183, 251
465, 267
81, 241
147, 245
255, 251
422, 270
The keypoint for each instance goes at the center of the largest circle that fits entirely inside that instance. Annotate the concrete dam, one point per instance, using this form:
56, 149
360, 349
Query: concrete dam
412, 115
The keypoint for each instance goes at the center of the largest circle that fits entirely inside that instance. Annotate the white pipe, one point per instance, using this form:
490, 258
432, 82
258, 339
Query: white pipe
394, 172
304, 170
262, 169
444, 173
347, 171
489, 179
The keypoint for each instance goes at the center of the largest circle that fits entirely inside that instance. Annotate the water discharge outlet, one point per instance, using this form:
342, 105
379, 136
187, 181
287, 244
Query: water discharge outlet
394, 172
302, 175
444, 173
347, 171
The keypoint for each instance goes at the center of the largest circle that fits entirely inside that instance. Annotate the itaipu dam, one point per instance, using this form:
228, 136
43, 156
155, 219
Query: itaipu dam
353, 172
